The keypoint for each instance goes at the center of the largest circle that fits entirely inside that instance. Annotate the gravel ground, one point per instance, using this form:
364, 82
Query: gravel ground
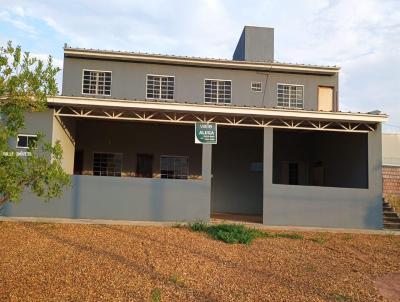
67, 262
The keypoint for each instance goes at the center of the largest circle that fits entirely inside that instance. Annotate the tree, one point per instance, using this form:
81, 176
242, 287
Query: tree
25, 83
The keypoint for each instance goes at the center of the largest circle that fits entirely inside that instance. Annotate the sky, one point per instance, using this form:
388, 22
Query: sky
362, 37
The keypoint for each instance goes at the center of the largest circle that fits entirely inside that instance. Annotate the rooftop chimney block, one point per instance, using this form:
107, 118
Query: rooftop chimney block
255, 44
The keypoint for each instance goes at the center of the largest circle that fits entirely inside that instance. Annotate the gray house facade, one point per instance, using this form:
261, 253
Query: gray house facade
285, 154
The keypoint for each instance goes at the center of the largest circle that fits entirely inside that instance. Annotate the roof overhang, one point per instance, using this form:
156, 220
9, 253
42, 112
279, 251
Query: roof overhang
86, 107
200, 62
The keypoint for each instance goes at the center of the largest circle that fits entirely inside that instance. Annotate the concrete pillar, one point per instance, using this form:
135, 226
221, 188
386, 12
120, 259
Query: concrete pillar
206, 173
267, 168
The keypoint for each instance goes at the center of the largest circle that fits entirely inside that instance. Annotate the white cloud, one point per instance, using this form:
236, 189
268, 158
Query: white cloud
17, 22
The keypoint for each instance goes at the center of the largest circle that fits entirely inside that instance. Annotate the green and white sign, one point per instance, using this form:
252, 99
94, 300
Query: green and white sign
205, 133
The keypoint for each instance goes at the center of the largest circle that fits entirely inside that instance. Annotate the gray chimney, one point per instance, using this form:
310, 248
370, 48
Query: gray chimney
255, 44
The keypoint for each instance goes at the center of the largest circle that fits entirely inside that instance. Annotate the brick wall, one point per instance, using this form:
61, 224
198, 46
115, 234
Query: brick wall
391, 180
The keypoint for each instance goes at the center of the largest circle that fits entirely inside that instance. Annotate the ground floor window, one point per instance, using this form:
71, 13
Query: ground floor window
176, 167
26, 140
107, 164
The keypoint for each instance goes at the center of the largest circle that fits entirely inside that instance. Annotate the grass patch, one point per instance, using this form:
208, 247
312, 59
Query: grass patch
178, 225
156, 295
394, 201
347, 237
176, 280
228, 233
287, 235
319, 240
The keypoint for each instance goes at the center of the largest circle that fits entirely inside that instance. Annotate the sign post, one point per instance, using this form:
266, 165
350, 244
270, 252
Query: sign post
205, 133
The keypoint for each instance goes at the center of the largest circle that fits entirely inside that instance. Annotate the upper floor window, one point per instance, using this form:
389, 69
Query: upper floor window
290, 96
256, 86
160, 87
26, 140
217, 91
96, 82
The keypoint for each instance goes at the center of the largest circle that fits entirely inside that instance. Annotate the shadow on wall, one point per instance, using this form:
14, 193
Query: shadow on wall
374, 215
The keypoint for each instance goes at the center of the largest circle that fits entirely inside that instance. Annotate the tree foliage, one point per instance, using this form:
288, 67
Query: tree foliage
25, 83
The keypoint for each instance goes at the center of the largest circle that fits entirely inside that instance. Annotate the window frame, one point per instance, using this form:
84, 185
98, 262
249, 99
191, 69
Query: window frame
96, 70
101, 152
27, 141
160, 75
176, 156
256, 82
288, 107
217, 102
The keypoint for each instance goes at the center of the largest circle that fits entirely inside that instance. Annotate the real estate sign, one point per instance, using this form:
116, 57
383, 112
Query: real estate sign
205, 133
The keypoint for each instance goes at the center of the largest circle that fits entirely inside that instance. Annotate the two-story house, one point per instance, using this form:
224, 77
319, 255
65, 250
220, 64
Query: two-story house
285, 154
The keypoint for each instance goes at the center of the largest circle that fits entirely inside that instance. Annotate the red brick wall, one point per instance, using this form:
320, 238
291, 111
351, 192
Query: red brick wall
391, 180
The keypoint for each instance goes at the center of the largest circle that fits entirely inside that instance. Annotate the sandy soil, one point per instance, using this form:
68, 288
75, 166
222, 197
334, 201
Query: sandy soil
65, 262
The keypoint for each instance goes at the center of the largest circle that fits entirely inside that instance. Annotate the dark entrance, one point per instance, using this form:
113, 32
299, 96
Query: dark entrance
237, 170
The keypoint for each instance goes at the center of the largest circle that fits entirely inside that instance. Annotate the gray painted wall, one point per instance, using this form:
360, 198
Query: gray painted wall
37, 122
129, 82
235, 187
126, 198
255, 44
325, 206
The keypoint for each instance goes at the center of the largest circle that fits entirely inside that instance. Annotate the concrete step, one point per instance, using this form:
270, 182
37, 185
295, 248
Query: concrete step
389, 208
392, 226
391, 219
389, 214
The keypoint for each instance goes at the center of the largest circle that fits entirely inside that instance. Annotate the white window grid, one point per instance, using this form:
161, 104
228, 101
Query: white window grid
160, 87
256, 86
174, 167
217, 91
96, 82
25, 140
107, 164
290, 96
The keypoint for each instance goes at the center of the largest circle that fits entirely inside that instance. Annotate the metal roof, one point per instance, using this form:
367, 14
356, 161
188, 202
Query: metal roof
216, 109
198, 61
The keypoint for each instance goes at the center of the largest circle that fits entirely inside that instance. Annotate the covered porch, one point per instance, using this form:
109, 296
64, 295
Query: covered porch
137, 160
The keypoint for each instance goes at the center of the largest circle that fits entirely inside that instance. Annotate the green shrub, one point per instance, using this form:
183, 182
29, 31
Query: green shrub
229, 233
156, 295
288, 235
318, 239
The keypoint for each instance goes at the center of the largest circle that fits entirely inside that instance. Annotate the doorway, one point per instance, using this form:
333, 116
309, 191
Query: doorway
237, 175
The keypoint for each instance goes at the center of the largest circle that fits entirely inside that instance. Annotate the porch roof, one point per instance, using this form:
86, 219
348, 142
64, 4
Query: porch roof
160, 111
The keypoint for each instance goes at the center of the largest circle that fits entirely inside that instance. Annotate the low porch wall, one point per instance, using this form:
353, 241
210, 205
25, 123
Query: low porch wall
317, 206
123, 198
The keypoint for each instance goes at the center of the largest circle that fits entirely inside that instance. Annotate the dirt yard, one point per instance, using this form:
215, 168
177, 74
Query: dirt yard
67, 262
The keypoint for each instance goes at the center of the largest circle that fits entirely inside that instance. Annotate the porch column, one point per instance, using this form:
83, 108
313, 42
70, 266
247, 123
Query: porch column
206, 173
267, 169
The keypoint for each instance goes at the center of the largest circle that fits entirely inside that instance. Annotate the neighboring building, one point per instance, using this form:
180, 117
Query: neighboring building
284, 154
391, 163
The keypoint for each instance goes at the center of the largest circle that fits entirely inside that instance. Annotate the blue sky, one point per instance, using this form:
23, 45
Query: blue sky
362, 37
